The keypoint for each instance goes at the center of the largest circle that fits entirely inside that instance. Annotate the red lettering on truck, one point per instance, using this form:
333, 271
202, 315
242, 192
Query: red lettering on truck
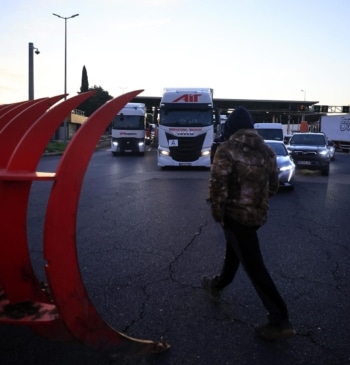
188, 98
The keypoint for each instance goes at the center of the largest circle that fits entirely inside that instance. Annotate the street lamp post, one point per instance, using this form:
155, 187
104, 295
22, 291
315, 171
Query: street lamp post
302, 115
31, 48
65, 65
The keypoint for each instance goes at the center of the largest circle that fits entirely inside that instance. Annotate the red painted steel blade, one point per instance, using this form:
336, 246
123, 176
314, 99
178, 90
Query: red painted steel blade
13, 131
41, 318
38, 135
4, 108
15, 110
16, 272
68, 291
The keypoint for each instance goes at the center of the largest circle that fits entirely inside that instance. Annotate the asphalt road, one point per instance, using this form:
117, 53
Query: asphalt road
145, 238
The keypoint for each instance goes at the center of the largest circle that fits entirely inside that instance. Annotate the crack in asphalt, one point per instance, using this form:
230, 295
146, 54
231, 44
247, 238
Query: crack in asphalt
171, 277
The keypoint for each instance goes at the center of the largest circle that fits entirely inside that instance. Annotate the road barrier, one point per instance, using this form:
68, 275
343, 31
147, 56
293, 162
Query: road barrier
59, 309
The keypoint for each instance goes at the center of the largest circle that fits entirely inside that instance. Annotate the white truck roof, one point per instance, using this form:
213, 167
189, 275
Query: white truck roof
133, 108
187, 95
268, 125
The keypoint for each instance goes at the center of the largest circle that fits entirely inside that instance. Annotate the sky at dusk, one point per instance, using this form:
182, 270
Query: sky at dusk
252, 49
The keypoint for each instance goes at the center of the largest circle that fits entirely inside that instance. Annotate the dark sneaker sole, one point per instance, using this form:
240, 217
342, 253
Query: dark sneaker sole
272, 334
206, 285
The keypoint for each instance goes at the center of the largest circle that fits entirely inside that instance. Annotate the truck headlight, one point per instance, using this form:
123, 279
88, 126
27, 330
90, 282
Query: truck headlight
164, 152
205, 153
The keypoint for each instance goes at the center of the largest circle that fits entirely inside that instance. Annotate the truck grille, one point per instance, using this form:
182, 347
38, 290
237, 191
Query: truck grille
188, 149
127, 144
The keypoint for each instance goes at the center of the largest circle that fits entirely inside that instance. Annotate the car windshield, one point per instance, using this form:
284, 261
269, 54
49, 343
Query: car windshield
279, 149
307, 140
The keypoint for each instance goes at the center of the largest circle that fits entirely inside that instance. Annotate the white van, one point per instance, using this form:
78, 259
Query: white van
270, 131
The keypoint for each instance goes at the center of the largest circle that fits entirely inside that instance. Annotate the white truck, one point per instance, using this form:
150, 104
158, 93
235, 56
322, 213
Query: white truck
129, 130
337, 129
270, 131
187, 123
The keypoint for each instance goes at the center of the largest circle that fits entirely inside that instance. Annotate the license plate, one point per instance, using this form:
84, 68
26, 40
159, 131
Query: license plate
127, 150
304, 163
185, 164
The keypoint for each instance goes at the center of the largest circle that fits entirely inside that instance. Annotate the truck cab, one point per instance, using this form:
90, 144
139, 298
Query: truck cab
129, 130
270, 131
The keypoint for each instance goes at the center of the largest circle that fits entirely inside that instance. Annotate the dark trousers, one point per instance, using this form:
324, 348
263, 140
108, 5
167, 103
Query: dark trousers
242, 246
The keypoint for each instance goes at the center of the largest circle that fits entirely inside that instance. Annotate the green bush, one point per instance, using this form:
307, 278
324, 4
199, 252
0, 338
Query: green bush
55, 147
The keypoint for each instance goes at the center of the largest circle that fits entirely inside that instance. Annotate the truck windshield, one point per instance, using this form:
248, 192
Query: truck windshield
186, 117
128, 122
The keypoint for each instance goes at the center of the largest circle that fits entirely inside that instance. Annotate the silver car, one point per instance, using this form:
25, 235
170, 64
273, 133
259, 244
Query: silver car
285, 164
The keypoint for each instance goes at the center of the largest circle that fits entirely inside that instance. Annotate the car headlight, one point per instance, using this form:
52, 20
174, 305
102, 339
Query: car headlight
323, 153
286, 168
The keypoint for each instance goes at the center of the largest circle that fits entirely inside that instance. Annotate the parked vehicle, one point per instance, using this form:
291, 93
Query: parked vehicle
187, 125
285, 164
154, 133
331, 148
310, 151
129, 130
270, 131
287, 138
337, 129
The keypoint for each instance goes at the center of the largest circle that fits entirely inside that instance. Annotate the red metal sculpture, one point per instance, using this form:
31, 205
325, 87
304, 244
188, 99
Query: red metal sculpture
62, 309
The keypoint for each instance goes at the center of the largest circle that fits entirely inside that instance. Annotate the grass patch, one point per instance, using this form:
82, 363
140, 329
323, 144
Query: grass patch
55, 146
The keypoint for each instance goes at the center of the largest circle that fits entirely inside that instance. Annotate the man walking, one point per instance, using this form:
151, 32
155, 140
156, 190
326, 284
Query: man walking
243, 177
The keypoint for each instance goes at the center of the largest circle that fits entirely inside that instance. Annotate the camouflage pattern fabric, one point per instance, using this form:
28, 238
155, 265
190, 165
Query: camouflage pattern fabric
243, 177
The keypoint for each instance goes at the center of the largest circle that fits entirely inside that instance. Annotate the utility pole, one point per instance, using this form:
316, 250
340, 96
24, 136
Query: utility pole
31, 48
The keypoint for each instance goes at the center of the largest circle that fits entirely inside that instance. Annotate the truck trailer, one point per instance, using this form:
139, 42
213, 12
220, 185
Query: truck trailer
337, 129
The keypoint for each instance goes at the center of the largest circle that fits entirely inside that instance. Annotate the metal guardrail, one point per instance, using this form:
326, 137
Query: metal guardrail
105, 141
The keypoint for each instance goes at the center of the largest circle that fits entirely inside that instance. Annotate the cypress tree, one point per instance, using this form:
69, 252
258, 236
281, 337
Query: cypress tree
84, 81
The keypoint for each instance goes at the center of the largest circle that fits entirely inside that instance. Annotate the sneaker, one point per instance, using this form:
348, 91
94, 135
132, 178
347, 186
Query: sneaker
208, 285
273, 332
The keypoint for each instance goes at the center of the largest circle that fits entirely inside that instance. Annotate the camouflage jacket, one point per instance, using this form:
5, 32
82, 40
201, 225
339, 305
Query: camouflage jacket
243, 176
